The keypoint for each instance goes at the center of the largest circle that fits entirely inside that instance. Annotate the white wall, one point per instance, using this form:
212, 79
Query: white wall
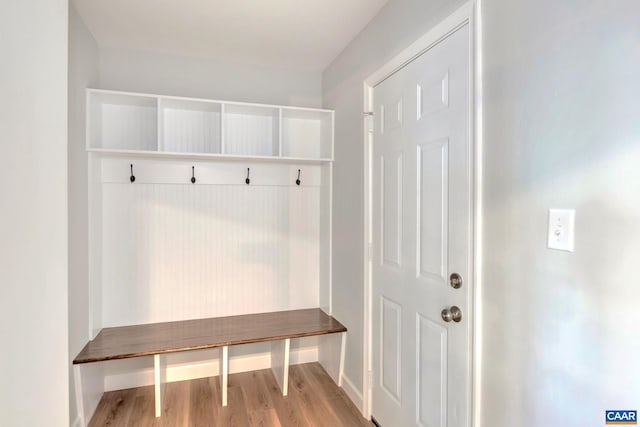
397, 25
83, 72
561, 341
33, 213
206, 78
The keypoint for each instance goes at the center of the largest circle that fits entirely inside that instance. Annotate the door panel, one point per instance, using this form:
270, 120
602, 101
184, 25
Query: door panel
433, 95
391, 116
432, 373
433, 191
391, 351
391, 186
421, 222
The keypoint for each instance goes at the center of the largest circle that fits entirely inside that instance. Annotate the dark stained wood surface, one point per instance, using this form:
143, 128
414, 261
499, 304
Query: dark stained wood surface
254, 400
170, 337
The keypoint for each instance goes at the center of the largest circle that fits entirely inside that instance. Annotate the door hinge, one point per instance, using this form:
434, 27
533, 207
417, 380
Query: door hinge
368, 121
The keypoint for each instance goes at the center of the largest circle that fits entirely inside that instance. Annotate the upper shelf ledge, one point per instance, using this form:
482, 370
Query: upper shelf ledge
205, 156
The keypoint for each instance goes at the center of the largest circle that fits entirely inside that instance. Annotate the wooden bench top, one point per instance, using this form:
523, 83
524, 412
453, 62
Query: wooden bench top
169, 337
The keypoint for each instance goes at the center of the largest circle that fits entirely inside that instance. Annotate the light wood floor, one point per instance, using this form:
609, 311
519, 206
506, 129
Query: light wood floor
254, 400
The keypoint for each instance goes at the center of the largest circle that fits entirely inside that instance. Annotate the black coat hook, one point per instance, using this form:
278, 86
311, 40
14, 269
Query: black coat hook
132, 178
247, 181
193, 174
298, 180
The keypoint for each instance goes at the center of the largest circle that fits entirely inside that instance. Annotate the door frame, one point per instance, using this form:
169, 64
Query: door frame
469, 14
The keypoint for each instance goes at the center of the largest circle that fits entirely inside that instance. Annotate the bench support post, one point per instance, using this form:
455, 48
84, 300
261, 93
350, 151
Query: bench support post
77, 380
280, 363
331, 355
160, 380
224, 373
343, 350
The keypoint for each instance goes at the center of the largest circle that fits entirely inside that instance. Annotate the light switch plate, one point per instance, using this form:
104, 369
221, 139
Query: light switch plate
561, 229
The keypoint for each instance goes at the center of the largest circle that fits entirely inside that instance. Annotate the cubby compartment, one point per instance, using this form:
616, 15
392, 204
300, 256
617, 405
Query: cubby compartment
190, 126
123, 122
307, 133
251, 130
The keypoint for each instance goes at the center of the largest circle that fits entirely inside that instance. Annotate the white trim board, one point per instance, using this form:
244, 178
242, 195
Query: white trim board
467, 14
352, 391
477, 123
203, 100
447, 26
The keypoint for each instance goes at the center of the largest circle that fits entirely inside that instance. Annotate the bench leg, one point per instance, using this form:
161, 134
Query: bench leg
77, 380
280, 363
343, 349
160, 380
331, 355
224, 374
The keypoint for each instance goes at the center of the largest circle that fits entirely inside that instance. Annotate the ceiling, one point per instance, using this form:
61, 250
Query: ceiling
300, 34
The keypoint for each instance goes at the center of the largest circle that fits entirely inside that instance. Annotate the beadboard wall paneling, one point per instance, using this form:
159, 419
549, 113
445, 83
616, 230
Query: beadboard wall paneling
191, 130
251, 131
128, 127
175, 251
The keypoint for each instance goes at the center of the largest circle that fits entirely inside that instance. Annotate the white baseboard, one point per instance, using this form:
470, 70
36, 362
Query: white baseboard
303, 355
209, 368
353, 393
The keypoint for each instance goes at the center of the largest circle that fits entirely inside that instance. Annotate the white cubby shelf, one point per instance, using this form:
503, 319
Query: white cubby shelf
137, 124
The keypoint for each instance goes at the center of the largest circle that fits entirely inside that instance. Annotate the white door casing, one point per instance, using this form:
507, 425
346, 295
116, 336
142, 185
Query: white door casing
422, 232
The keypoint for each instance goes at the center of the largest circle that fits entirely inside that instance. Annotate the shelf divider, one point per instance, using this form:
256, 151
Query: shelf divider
223, 128
160, 120
280, 125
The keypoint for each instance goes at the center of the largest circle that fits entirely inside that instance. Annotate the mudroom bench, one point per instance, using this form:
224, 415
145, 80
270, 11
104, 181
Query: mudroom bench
159, 339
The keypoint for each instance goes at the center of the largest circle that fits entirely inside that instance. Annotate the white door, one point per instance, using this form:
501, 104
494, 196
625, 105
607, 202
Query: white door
421, 235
